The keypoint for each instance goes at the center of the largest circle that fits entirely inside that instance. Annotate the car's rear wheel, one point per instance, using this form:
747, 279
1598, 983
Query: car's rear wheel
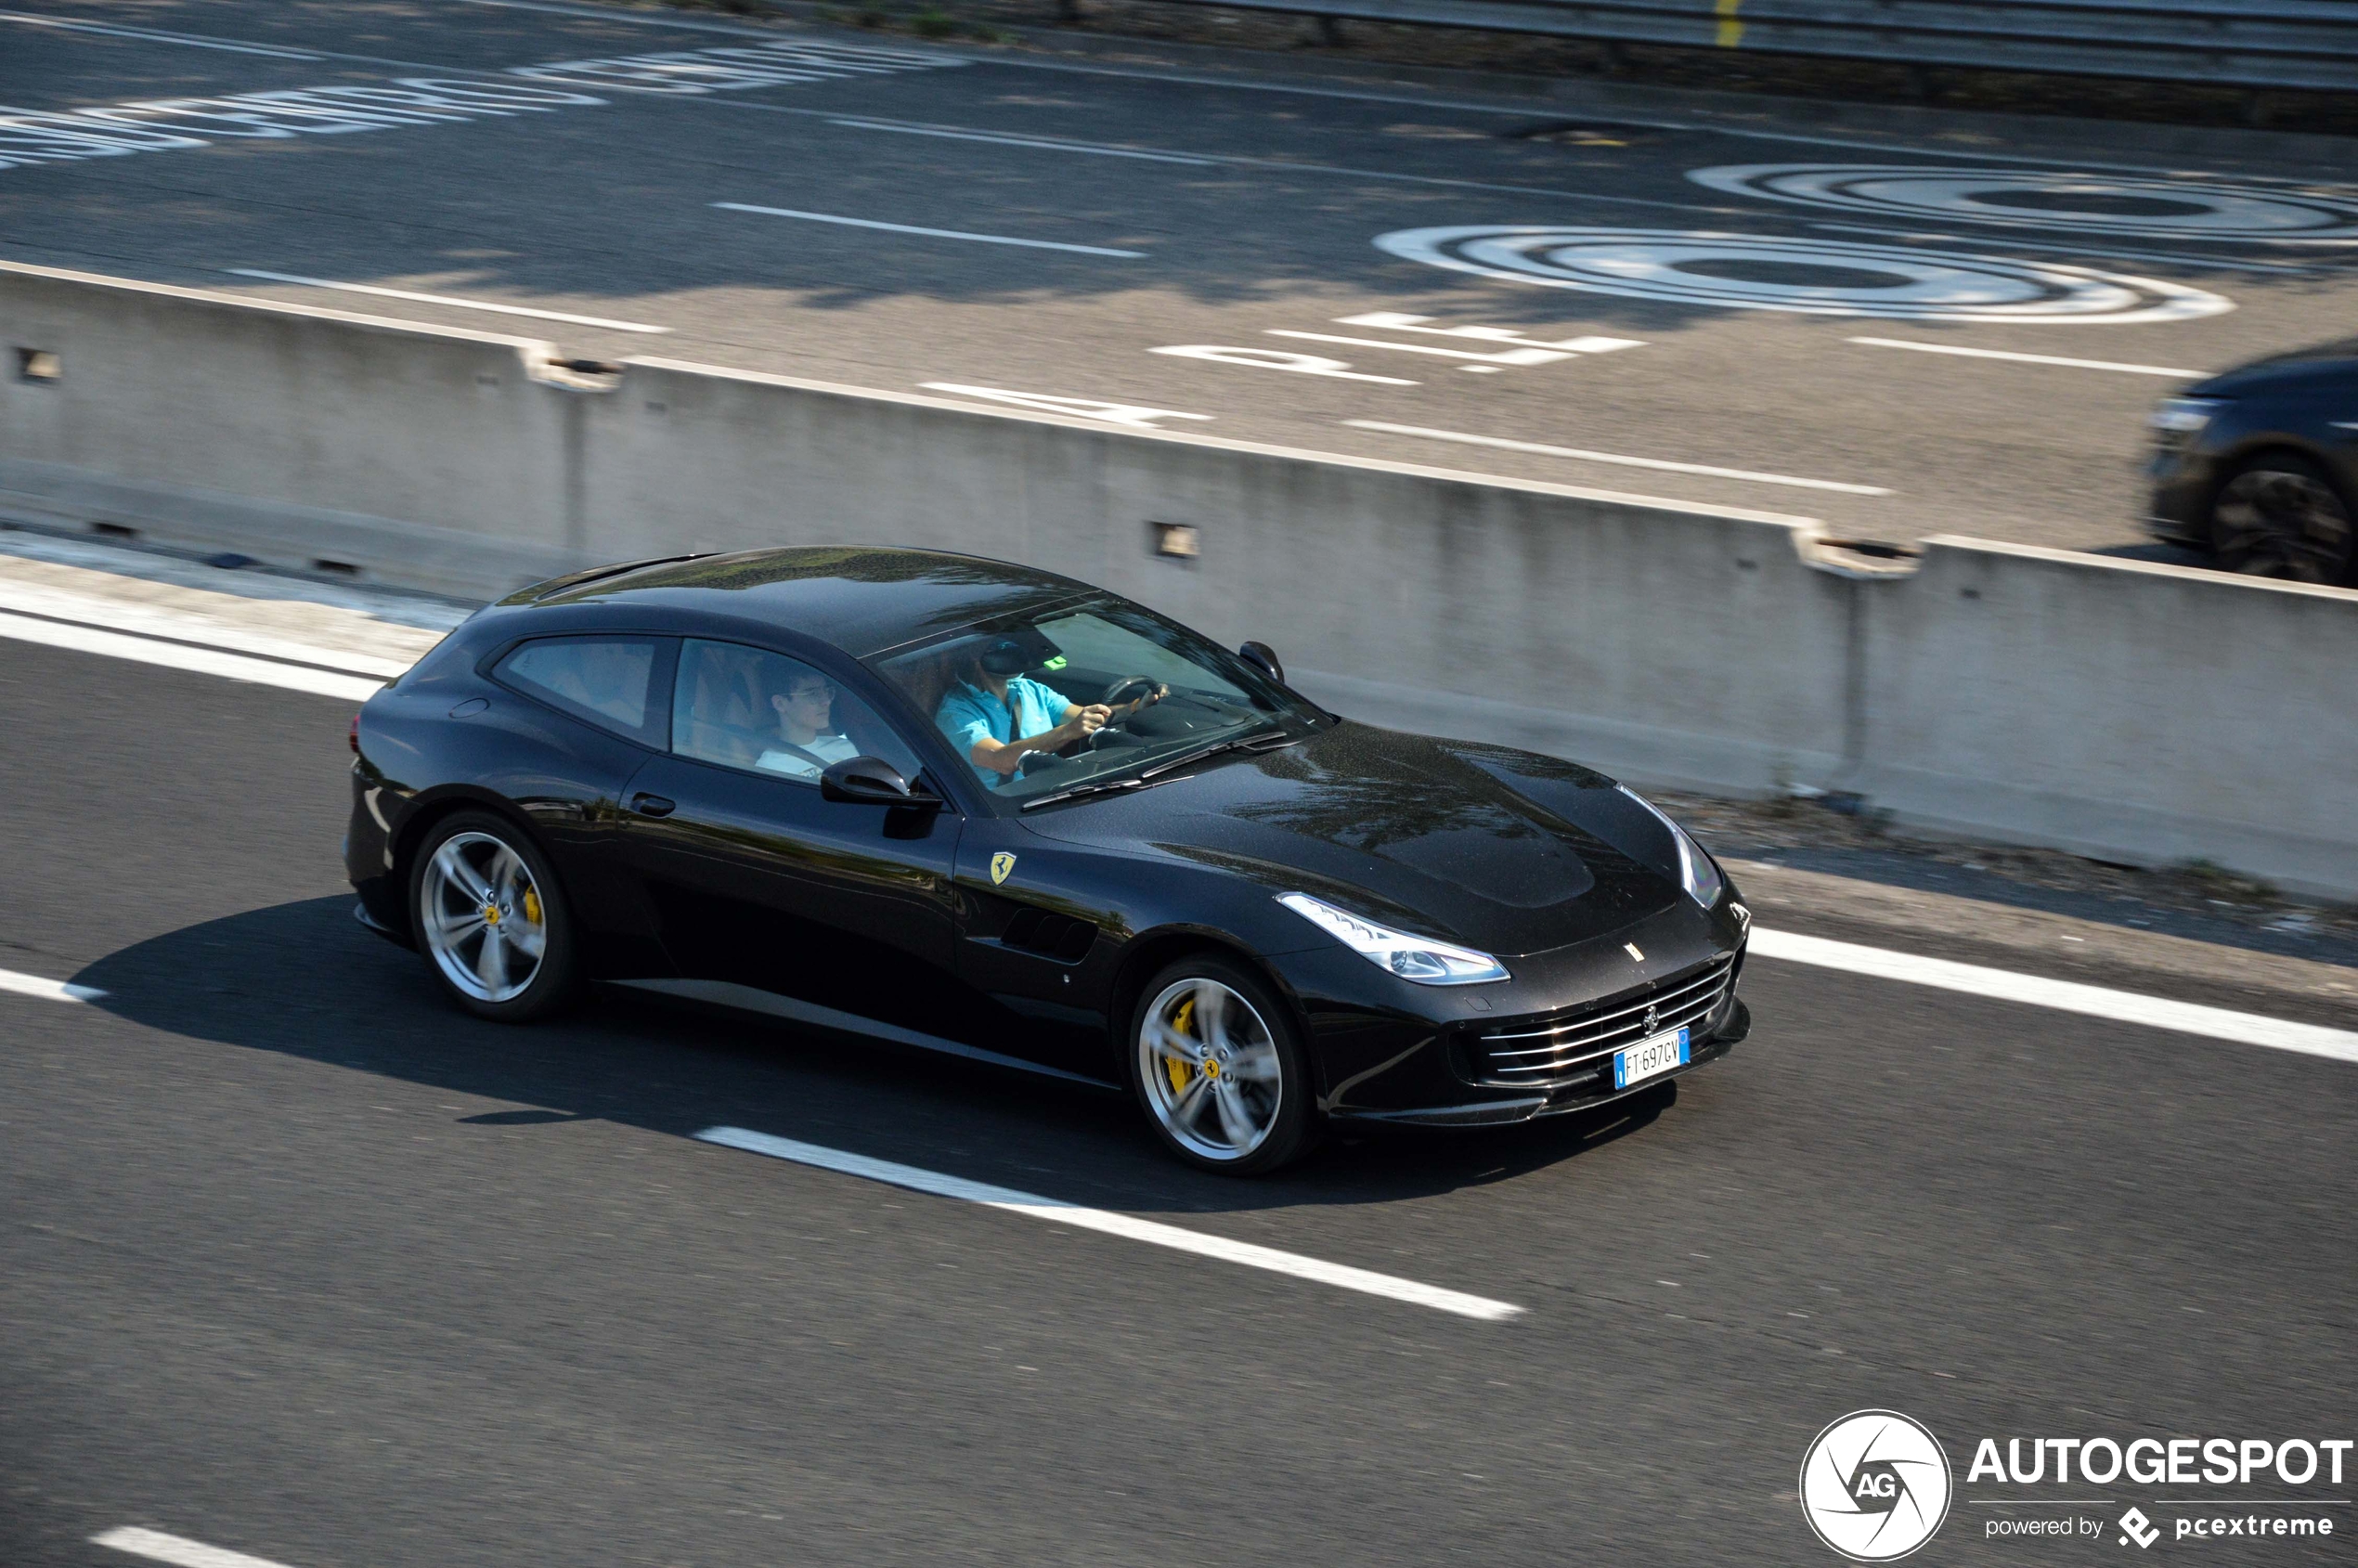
1218, 1064
491, 919
2280, 516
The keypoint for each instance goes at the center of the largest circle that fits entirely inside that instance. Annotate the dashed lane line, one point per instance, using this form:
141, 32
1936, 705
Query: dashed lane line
180, 655
46, 989
1090, 148
1104, 1222
157, 1547
441, 299
930, 233
2068, 996
2030, 358
148, 35
1615, 458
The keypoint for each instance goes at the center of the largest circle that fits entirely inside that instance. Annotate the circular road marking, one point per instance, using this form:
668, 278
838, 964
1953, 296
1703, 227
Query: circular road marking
2050, 199
1812, 276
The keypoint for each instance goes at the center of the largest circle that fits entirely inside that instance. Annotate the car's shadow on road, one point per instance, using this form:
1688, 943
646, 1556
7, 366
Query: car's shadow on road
304, 980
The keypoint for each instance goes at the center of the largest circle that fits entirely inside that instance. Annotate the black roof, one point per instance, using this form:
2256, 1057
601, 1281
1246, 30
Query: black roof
864, 598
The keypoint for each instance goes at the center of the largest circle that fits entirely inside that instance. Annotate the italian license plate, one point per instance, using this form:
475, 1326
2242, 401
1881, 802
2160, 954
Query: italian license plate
1649, 1058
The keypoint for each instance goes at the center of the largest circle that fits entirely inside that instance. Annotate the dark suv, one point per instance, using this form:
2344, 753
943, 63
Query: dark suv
2259, 466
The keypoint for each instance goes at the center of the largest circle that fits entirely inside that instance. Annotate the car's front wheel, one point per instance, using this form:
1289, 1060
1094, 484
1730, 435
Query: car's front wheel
491, 919
1218, 1064
2280, 516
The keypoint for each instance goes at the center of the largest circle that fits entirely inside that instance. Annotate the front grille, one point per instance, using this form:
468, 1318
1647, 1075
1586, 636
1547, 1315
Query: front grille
1544, 1051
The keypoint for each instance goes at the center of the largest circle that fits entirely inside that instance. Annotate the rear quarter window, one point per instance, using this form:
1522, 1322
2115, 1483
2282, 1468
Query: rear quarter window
608, 681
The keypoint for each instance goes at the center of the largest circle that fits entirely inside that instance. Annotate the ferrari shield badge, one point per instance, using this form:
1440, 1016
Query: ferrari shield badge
1001, 864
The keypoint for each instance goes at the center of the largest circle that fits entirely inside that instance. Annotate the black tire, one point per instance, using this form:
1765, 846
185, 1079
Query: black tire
453, 936
1267, 1085
2280, 515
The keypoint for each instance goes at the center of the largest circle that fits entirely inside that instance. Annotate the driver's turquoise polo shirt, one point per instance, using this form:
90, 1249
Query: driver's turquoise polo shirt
970, 714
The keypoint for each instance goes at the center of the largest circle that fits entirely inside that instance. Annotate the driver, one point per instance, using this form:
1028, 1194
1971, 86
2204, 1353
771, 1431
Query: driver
997, 717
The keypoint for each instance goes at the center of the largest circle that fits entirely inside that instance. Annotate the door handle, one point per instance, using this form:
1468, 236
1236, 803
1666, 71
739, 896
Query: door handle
653, 805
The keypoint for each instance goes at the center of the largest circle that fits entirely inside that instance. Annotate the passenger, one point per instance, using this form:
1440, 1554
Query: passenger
805, 713
996, 719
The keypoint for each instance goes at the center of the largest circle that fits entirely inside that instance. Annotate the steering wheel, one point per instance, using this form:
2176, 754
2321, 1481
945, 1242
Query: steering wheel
1128, 688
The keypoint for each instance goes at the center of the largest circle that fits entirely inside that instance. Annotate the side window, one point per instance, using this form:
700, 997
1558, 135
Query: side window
745, 708
608, 681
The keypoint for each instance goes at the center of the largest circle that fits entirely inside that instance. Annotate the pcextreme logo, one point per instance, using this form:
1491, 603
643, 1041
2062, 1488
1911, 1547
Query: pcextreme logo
1874, 1485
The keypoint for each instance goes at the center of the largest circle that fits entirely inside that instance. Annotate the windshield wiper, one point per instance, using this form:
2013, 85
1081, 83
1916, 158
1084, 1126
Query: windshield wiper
1259, 741
1092, 786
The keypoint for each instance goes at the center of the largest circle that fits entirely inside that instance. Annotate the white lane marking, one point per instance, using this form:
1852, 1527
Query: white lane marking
1545, 451
175, 656
46, 989
1023, 141
177, 626
157, 1547
441, 299
932, 233
1008, 1200
153, 37
2030, 358
2068, 996
1278, 359
1398, 321
1505, 357
1127, 414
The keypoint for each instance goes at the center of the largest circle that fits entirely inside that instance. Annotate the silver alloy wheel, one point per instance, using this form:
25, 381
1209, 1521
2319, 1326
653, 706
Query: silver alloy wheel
1210, 1069
2280, 522
483, 915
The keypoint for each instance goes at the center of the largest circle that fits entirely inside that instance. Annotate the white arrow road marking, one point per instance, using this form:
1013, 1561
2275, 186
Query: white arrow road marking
1008, 1200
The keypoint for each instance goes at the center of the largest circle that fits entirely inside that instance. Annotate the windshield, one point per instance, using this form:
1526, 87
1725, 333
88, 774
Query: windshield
1101, 693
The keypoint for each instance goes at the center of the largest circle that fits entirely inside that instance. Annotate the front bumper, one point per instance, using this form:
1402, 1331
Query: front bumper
2185, 477
1477, 1056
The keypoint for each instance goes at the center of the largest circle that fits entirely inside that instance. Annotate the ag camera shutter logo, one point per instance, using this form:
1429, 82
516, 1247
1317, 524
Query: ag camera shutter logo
1875, 1485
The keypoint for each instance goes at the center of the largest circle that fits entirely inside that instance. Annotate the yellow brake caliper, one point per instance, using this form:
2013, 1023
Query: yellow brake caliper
532, 905
1179, 1072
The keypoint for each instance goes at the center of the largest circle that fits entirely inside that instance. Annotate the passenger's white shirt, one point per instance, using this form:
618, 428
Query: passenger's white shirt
830, 748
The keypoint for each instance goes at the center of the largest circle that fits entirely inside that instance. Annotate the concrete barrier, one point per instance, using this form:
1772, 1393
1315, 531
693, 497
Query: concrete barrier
2134, 712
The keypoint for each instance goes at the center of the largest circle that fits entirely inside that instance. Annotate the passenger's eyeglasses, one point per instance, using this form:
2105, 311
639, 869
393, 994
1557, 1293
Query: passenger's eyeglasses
819, 691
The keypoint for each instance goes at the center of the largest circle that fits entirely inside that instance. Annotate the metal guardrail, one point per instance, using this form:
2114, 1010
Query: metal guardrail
2251, 43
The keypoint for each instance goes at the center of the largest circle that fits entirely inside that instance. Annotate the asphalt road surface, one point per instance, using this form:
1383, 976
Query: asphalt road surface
297, 1261
1189, 251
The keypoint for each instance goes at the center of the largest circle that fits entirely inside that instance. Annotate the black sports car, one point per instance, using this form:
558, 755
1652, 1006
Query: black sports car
2259, 465
985, 809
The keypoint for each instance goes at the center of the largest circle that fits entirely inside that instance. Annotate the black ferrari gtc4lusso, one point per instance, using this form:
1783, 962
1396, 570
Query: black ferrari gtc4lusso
980, 808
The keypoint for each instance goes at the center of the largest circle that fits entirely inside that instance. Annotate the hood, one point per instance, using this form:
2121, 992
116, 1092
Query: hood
2323, 365
1498, 850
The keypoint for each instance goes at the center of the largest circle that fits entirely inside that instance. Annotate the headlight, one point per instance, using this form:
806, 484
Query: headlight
1696, 872
2184, 415
1412, 958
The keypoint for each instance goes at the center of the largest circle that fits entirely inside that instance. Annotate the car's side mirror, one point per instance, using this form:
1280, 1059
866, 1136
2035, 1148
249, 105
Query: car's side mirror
1264, 659
872, 780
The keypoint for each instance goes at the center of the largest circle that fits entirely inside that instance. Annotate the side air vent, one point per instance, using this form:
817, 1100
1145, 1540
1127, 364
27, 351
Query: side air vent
1051, 936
